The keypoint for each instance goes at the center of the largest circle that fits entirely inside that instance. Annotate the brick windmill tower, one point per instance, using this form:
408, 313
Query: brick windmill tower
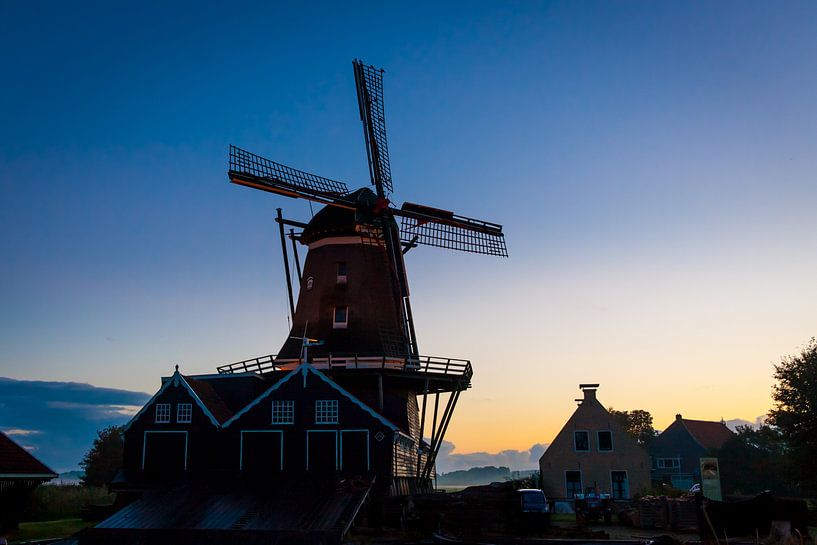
354, 291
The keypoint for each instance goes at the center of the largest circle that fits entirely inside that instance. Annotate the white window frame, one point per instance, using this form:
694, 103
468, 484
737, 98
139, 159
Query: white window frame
342, 277
575, 449
675, 463
335, 323
323, 415
284, 414
163, 416
188, 416
598, 441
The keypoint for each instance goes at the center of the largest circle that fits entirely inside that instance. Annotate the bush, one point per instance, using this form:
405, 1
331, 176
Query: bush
52, 502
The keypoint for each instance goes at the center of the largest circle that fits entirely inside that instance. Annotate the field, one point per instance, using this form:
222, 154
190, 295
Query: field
50, 528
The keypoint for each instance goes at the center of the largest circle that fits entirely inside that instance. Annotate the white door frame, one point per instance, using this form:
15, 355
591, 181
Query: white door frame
368, 447
335, 432
241, 448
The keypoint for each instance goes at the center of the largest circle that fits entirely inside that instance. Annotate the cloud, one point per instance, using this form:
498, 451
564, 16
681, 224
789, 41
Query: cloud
18, 432
59, 420
449, 460
735, 422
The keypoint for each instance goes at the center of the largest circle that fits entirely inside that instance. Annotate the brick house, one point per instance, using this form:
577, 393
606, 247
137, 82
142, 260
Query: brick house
593, 451
677, 451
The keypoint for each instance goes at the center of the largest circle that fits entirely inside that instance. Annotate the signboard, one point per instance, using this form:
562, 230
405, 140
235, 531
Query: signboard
711, 479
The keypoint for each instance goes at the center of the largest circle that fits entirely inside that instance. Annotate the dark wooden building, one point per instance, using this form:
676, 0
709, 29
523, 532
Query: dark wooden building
677, 451
20, 474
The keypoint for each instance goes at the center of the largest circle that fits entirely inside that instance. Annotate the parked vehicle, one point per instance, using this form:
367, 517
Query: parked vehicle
535, 511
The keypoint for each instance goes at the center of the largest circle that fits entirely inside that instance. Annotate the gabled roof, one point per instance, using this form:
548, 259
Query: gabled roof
17, 462
710, 435
304, 369
175, 380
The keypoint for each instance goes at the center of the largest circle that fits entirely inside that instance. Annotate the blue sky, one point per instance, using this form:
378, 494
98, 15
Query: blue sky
652, 163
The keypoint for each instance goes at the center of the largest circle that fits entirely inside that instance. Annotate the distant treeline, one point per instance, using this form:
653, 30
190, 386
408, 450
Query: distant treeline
481, 475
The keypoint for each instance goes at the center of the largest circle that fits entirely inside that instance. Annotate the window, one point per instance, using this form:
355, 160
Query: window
668, 463
162, 413
581, 441
283, 411
341, 318
620, 485
605, 441
184, 413
573, 483
326, 411
341, 272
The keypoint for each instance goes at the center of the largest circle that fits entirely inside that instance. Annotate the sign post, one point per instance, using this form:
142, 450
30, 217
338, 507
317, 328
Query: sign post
711, 479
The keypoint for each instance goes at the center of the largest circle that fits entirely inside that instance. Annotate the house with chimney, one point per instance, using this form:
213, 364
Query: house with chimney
593, 451
677, 451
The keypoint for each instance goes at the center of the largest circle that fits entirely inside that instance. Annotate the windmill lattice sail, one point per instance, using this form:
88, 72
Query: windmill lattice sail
372, 112
423, 225
249, 169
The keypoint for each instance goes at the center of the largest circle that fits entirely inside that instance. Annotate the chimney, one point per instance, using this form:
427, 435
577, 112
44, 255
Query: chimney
677, 417
589, 391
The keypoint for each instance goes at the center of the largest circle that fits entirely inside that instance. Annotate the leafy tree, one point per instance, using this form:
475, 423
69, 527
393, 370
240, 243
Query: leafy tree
755, 459
105, 457
795, 410
638, 423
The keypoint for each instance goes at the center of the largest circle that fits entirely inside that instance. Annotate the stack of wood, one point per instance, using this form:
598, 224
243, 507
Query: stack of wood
662, 513
683, 513
652, 512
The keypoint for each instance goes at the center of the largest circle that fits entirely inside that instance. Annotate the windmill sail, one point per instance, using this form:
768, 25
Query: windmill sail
369, 82
444, 229
255, 171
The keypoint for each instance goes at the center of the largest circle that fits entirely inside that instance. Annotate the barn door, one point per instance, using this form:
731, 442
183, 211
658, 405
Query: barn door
354, 452
321, 451
165, 455
262, 452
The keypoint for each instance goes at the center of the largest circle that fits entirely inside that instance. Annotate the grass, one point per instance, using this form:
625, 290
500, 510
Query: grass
47, 529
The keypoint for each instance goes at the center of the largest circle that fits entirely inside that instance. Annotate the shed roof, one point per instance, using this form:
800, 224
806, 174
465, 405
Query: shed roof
17, 462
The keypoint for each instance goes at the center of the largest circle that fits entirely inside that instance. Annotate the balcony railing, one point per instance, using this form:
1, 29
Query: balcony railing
421, 364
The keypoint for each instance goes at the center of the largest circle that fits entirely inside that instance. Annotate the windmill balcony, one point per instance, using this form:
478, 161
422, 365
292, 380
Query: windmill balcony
431, 365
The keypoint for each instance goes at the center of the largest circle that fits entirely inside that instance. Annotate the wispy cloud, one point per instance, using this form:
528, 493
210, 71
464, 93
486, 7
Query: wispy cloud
19, 432
735, 422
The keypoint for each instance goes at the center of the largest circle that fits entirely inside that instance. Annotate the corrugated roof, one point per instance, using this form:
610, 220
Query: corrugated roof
710, 435
17, 461
274, 507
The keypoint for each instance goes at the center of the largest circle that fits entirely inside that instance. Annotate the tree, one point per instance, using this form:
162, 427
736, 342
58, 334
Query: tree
105, 457
754, 460
795, 410
637, 423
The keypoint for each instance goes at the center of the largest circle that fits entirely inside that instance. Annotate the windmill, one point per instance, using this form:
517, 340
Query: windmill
354, 293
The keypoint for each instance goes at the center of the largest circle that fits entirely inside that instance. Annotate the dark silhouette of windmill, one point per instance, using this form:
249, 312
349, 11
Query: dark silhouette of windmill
354, 292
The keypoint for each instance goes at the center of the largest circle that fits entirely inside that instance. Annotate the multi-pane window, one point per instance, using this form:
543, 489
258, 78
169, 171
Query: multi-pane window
605, 440
341, 272
340, 318
283, 411
162, 413
184, 413
326, 411
581, 441
668, 463
573, 483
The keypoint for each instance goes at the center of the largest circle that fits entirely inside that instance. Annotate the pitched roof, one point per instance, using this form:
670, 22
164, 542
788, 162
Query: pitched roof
710, 435
210, 398
15, 461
